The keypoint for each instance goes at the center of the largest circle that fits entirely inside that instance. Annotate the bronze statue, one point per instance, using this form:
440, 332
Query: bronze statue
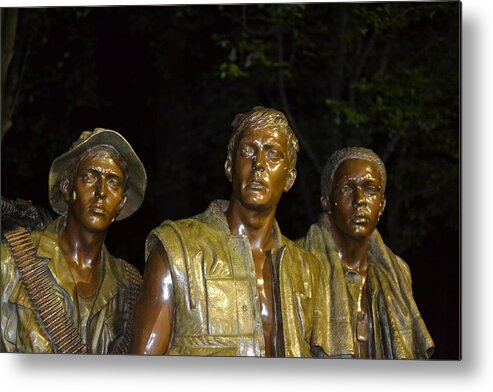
370, 310
226, 282
62, 292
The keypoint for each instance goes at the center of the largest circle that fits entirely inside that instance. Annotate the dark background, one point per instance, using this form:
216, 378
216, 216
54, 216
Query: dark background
170, 79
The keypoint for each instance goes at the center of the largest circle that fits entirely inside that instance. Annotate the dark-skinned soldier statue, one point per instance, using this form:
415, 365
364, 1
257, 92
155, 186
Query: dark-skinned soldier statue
370, 310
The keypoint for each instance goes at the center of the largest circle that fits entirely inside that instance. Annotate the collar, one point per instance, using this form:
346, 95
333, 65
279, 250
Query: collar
403, 333
215, 215
49, 248
324, 222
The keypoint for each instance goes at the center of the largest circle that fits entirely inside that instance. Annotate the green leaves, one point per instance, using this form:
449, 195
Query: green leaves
385, 76
345, 113
231, 71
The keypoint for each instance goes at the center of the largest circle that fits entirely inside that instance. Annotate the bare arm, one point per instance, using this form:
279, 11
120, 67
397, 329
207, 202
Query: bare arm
153, 322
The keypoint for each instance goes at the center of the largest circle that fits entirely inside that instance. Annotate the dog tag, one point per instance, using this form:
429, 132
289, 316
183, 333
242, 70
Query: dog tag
362, 330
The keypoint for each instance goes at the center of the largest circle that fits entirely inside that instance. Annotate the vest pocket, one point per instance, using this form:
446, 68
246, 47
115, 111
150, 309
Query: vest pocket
221, 307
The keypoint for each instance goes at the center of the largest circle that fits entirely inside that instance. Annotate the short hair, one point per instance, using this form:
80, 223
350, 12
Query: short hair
345, 154
258, 118
73, 167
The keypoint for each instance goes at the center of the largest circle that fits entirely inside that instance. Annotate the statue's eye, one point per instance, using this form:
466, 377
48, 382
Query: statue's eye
114, 183
371, 190
345, 189
88, 177
274, 155
246, 151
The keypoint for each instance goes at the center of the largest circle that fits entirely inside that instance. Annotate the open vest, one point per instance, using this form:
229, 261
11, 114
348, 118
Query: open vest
217, 309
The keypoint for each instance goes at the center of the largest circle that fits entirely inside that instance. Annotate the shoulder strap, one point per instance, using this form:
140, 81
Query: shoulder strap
135, 283
37, 280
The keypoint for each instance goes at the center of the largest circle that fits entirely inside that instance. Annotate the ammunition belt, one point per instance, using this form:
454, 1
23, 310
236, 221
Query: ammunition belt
135, 282
38, 282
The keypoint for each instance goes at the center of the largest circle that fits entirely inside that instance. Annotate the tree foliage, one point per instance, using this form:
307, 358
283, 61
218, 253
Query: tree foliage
381, 75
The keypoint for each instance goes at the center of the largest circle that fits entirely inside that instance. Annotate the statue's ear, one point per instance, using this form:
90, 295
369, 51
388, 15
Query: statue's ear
324, 201
122, 204
228, 169
291, 177
382, 206
64, 188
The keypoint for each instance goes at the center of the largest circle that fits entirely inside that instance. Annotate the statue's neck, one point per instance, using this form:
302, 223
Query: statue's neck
256, 225
353, 252
80, 245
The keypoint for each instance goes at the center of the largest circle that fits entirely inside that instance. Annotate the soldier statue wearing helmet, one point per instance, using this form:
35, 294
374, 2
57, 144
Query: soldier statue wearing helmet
79, 298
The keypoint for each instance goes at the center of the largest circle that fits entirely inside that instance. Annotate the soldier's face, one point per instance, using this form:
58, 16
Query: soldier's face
356, 200
99, 192
261, 170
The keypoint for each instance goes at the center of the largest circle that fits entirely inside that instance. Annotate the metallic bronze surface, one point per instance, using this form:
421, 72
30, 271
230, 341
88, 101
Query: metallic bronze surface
59, 326
226, 282
370, 310
69, 276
